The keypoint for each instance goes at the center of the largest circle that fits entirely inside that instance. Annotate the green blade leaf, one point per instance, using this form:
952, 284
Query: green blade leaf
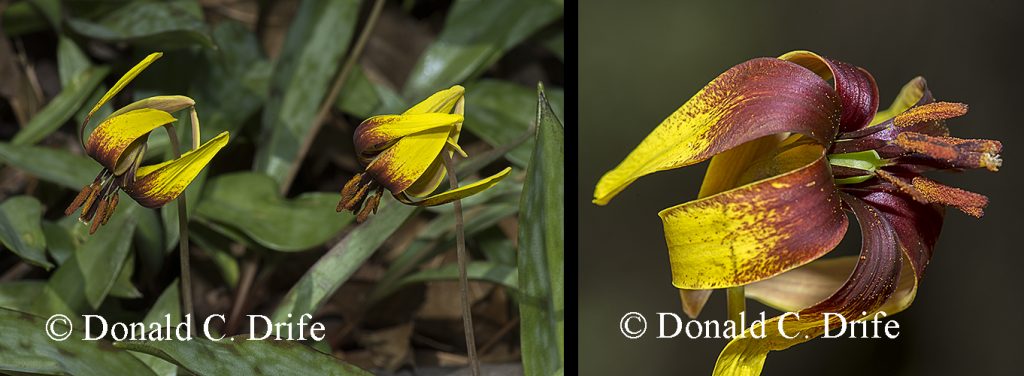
338, 264
25, 349
476, 34
249, 202
167, 24
240, 356
312, 51
502, 112
541, 248
53, 165
166, 304
477, 270
21, 230
62, 107
85, 279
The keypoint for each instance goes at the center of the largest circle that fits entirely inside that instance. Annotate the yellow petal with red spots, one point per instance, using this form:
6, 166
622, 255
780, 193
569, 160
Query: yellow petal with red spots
156, 185
379, 132
758, 230
109, 141
399, 166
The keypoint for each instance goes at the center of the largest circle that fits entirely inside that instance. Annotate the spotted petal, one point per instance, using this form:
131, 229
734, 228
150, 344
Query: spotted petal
379, 132
758, 230
872, 283
759, 97
156, 185
110, 140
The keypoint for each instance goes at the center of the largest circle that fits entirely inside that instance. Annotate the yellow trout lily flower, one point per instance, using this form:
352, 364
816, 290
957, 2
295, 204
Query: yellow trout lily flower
405, 155
119, 145
791, 154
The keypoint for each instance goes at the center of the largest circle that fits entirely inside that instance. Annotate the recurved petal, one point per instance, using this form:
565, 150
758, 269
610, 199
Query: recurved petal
379, 132
855, 86
156, 185
758, 230
125, 79
759, 97
402, 164
166, 103
912, 94
458, 193
114, 136
872, 283
448, 101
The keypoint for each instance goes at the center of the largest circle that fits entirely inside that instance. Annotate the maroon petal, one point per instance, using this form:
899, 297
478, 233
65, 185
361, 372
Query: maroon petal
855, 86
875, 276
917, 225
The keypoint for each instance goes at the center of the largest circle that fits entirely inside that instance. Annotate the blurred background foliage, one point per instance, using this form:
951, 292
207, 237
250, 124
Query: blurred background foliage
266, 238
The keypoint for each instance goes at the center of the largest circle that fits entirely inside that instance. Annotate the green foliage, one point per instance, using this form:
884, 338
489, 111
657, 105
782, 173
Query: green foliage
541, 248
243, 210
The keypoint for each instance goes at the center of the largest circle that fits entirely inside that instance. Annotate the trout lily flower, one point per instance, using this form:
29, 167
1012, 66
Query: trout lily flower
405, 154
790, 154
119, 145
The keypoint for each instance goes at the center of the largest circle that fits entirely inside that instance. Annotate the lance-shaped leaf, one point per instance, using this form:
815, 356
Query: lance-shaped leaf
872, 283
156, 185
855, 86
25, 350
758, 230
57, 166
169, 24
251, 203
62, 107
757, 98
21, 232
541, 247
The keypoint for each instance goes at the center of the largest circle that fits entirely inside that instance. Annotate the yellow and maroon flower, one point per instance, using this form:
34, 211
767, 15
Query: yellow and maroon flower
405, 154
790, 153
119, 144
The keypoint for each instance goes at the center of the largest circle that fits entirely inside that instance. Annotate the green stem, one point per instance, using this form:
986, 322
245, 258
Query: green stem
186, 272
736, 302
463, 259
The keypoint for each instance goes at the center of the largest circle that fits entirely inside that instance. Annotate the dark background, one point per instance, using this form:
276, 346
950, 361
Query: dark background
639, 61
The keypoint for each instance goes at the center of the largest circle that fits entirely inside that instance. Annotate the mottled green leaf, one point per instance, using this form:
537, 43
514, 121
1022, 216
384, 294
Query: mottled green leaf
500, 112
338, 264
476, 270
167, 304
476, 34
168, 24
85, 279
249, 202
541, 248
26, 349
21, 231
71, 61
240, 356
313, 49
123, 286
362, 97
60, 244
57, 166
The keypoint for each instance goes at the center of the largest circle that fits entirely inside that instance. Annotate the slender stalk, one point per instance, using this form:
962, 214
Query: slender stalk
186, 272
339, 81
463, 259
737, 303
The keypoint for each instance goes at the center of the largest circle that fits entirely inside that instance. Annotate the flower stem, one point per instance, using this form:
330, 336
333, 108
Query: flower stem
463, 259
737, 303
186, 272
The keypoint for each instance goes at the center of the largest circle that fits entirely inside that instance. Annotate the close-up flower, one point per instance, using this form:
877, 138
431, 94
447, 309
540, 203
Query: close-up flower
118, 143
405, 154
791, 154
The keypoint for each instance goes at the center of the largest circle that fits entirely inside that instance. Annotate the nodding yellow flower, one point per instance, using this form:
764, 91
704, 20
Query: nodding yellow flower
791, 153
119, 144
405, 154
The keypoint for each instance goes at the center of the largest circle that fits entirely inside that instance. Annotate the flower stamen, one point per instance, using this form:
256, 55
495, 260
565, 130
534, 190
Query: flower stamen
930, 112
